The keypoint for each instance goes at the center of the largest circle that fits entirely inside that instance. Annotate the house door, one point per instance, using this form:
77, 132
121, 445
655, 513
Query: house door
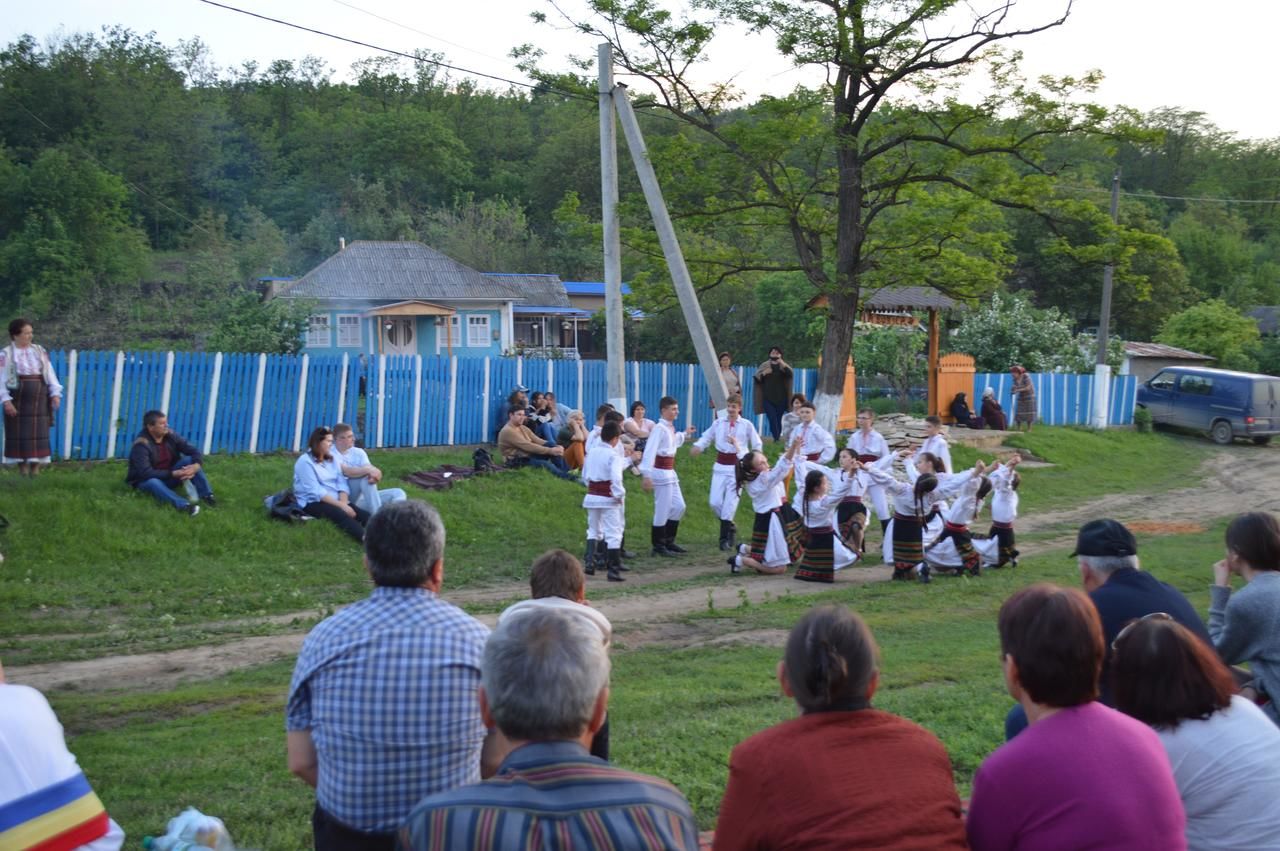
398, 336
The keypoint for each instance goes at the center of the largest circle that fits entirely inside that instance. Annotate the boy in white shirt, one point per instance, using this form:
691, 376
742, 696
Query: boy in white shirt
362, 476
733, 438
937, 444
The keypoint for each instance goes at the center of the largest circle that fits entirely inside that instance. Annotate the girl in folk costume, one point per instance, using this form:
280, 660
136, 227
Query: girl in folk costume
604, 504
963, 511
919, 464
851, 513
1004, 510
658, 466
824, 553
770, 550
870, 447
912, 503
733, 437
30, 395
817, 444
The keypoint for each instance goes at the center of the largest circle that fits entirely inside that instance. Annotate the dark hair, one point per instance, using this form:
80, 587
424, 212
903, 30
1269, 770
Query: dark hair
934, 461
152, 417
514, 408
341, 428
613, 416
602, 410
934, 420
811, 481
807, 404
797, 397
610, 430
667, 402
745, 470
984, 488
777, 349
537, 394
924, 485
402, 542
16, 326
637, 404
868, 411
515, 394
1163, 674
317, 437
1255, 538
724, 355
830, 660
847, 450
1054, 636
556, 573
1014, 480
733, 399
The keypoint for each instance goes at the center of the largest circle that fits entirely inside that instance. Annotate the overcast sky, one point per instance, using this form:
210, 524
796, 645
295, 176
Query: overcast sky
1217, 58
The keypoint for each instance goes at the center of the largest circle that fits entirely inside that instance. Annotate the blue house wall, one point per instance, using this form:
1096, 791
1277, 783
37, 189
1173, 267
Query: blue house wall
477, 332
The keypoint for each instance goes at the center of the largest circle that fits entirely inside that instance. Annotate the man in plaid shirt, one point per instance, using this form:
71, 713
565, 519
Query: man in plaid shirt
382, 708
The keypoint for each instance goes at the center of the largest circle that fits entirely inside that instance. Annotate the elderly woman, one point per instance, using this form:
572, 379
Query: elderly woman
992, 413
842, 775
1024, 398
1243, 626
1081, 775
30, 394
1222, 748
321, 489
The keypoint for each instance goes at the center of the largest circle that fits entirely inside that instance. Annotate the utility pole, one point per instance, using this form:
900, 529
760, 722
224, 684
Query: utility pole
1102, 371
614, 322
671, 250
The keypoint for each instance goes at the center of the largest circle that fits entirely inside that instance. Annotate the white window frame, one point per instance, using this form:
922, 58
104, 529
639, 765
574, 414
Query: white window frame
354, 324
475, 321
318, 325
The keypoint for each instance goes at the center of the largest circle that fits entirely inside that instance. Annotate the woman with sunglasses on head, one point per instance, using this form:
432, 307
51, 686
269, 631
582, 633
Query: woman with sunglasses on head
320, 488
1225, 753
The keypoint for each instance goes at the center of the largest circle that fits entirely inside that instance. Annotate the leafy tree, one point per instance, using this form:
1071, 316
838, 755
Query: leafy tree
893, 353
491, 235
1009, 330
249, 325
1217, 329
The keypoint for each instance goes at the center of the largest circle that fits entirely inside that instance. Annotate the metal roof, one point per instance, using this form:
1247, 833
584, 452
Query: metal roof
1160, 350
529, 309
397, 271
543, 290
590, 288
907, 298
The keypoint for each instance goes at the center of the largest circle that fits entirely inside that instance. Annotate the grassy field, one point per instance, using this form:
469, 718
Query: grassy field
121, 574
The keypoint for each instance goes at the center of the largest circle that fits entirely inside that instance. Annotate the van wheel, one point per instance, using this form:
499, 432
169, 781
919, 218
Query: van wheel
1221, 432
1262, 440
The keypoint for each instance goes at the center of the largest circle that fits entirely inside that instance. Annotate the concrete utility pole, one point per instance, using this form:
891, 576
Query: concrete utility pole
671, 250
1102, 372
614, 322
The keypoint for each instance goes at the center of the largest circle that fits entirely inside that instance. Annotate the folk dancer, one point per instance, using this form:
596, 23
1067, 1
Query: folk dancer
658, 467
912, 502
1004, 510
963, 511
817, 443
824, 553
733, 437
606, 517
770, 550
935, 442
869, 447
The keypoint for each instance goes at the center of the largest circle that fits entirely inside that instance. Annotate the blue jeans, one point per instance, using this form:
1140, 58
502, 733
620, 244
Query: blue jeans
365, 494
164, 488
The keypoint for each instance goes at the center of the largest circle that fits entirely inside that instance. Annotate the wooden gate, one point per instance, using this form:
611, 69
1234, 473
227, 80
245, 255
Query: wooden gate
955, 375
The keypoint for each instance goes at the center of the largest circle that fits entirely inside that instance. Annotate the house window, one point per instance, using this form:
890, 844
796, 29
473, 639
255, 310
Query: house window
478, 331
318, 331
349, 330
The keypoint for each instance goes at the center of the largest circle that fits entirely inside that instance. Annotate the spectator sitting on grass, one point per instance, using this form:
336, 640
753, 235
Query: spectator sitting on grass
842, 775
362, 476
521, 447
320, 488
545, 688
160, 462
573, 437
560, 413
538, 417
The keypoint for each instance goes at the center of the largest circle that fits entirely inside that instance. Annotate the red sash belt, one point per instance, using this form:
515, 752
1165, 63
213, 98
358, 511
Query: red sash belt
821, 530
851, 499
813, 456
955, 527
604, 488
664, 462
729, 458
868, 459
999, 525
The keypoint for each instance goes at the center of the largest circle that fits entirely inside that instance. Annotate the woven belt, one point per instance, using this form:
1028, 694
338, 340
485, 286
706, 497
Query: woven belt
851, 499
664, 462
955, 527
868, 459
604, 488
813, 456
729, 458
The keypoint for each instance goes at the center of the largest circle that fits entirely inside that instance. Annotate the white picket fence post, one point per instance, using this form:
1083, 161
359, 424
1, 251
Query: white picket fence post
382, 398
214, 385
342, 389
453, 396
579, 405
258, 385
69, 408
417, 399
165, 394
484, 405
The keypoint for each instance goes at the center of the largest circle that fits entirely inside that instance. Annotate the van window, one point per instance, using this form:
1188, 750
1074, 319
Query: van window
1265, 392
1196, 385
1163, 381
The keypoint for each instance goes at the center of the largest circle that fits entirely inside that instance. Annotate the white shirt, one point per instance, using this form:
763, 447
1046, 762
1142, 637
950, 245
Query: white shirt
720, 431
353, 457
1004, 499
26, 361
966, 506
873, 444
769, 490
664, 440
817, 440
34, 755
603, 464
937, 444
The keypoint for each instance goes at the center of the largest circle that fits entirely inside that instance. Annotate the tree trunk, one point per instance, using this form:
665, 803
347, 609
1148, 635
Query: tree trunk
837, 341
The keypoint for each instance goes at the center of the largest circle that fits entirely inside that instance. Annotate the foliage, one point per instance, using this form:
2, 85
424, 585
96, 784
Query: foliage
894, 353
1009, 330
1142, 420
1269, 355
249, 325
1217, 329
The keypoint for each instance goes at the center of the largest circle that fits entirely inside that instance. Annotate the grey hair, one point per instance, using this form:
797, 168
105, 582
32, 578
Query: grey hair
401, 543
542, 673
1107, 565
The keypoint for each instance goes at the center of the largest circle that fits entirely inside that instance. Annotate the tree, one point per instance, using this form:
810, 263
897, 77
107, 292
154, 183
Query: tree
1009, 330
881, 176
249, 325
894, 353
1217, 329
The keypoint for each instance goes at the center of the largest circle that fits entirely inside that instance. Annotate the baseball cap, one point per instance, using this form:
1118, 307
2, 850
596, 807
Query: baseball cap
1105, 538
520, 388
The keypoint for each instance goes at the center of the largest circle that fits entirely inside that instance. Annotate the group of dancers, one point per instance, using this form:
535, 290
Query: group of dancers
925, 510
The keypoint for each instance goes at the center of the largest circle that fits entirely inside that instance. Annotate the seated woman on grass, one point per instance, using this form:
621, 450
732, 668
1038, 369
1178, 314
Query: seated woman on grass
1224, 751
842, 775
321, 489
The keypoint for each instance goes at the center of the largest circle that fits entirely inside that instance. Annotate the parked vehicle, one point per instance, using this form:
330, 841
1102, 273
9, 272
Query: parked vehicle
1219, 402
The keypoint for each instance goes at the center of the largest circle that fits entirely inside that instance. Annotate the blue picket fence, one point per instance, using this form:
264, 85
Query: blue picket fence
1062, 399
233, 403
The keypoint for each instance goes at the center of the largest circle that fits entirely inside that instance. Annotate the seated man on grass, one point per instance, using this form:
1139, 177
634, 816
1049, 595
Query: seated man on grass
362, 476
520, 447
160, 462
544, 685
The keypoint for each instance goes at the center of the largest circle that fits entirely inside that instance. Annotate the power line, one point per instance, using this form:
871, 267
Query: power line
1200, 199
403, 26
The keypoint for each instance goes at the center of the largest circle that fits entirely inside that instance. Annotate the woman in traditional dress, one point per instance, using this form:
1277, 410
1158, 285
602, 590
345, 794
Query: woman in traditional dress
992, 414
1024, 397
30, 394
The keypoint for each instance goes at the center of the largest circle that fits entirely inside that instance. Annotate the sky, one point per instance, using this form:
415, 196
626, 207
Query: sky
1213, 58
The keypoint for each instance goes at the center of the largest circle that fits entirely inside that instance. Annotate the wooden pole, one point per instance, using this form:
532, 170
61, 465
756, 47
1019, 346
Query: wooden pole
933, 361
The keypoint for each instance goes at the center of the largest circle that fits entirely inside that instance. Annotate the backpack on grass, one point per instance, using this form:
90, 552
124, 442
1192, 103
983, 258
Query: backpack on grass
284, 506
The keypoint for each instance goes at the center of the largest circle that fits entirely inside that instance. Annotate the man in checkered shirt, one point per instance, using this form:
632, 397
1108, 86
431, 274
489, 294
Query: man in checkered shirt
382, 708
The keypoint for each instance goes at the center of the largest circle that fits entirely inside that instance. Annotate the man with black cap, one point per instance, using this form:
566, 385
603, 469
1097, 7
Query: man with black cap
1107, 555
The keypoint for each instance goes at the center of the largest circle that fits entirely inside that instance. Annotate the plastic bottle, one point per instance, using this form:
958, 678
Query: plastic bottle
192, 830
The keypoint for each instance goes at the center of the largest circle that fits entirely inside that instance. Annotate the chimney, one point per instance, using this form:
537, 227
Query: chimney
342, 243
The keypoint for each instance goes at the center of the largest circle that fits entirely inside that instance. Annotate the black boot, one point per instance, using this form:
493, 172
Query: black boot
673, 526
614, 563
725, 533
733, 535
626, 553
589, 560
658, 536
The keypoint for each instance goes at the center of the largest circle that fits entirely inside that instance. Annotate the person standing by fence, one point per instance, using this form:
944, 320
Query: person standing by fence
30, 395
773, 390
1024, 397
